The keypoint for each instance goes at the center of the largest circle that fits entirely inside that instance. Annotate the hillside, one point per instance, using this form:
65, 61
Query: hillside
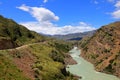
103, 49
13, 35
26, 55
74, 36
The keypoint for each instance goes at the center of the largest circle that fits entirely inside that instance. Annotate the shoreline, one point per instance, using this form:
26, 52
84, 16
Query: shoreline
81, 55
70, 61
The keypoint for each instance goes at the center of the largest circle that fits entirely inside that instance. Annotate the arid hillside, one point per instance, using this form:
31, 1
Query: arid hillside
103, 49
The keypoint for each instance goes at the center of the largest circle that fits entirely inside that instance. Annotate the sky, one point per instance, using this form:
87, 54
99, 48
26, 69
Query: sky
61, 16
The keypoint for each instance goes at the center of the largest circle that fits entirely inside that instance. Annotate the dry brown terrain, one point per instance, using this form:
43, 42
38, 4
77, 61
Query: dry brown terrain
103, 49
69, 60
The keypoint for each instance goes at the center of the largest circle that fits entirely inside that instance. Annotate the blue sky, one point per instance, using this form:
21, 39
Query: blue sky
61, 16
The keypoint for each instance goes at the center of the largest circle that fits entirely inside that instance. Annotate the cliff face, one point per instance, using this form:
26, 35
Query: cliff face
103, 49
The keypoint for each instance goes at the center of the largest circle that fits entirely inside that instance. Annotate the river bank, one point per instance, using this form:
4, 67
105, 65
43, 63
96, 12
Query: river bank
85, 69
69, 60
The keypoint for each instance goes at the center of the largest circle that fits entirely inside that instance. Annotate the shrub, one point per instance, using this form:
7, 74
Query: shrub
56, 56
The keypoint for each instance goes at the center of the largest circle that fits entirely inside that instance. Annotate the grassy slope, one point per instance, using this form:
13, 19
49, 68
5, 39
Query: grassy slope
103, 49
8, 70
38, 58
45, 64
15, 35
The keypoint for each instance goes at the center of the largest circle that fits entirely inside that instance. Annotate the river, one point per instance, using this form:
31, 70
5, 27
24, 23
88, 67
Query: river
85, 69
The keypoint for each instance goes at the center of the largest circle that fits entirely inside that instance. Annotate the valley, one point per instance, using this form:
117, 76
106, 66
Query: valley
27, 55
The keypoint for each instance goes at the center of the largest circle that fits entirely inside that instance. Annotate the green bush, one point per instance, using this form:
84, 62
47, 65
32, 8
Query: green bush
56, 56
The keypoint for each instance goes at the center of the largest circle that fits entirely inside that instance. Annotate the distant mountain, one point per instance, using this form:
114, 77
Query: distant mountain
74, 36
103, 49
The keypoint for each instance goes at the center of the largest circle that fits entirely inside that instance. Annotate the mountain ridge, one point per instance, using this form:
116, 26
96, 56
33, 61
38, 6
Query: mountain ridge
102, 49
74, 36
15, 34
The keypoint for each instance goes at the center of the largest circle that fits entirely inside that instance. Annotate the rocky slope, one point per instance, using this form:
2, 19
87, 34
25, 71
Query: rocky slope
26, 55
103, 49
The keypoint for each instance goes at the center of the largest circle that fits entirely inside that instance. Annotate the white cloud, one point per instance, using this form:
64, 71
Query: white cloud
116, 14
44, 23
49, 28
117, 5
45, 1
40, 13
43, 14
23, 7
